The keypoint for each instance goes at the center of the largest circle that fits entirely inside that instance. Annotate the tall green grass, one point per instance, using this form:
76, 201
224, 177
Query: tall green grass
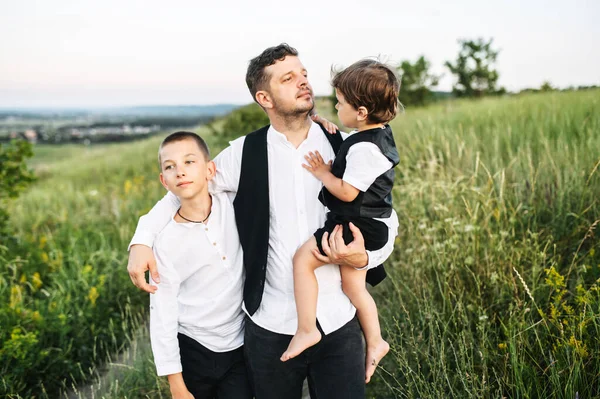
493, 288
494, 285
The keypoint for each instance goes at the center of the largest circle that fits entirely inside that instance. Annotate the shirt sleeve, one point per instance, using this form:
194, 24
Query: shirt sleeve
379, 256
229, 165
364, 163
164, 319
154, 221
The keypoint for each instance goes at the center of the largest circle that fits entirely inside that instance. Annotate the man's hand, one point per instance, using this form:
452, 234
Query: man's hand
316, 165
141, 259
329, 126
338, 253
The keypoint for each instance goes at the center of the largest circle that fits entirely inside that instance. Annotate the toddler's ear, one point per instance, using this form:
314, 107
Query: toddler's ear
362, 113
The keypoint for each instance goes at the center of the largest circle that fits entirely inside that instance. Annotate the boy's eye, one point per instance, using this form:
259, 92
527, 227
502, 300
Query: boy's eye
168, 167
189, 161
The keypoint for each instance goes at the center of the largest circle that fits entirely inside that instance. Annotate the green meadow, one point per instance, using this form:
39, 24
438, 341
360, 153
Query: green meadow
493, 288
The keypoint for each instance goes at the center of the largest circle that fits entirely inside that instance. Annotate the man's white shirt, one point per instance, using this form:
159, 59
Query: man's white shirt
295, 214
201, 283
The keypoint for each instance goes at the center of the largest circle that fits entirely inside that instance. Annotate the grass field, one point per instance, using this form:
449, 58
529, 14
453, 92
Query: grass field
494, 282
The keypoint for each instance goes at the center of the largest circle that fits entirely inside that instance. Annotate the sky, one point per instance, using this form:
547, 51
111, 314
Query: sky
83, 53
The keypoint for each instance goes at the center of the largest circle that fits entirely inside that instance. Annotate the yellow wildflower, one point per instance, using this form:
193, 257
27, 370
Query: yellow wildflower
43, 241
93, 295
36, 316
128, 185
36, 280
502, 346
15, 296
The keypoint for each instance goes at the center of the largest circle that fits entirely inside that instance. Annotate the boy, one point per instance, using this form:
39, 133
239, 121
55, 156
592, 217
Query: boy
357, 190
196, 318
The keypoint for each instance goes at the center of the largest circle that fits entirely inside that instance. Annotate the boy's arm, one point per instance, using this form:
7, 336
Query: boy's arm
141, 257
339, 188
229, 164
164, 313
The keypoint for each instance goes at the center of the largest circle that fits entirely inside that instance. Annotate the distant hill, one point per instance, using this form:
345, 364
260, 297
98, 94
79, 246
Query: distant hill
136, 111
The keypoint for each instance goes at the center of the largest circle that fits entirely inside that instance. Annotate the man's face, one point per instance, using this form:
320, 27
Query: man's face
185, 171
290, 92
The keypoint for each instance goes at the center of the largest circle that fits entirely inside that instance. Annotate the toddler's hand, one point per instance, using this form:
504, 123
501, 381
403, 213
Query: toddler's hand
329, 126
316, 165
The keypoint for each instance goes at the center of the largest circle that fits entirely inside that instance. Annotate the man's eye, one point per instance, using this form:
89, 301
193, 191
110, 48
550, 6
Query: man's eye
287, 79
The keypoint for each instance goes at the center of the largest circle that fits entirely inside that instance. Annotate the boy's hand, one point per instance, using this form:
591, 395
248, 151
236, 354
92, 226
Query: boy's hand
178, 388
316, 165
141, 259
329, 126
182, 395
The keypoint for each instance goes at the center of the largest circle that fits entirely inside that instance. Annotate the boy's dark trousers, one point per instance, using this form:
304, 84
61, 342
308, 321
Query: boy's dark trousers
335, 367
210, 375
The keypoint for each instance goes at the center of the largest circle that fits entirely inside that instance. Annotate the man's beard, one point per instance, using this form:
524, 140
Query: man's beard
295, 111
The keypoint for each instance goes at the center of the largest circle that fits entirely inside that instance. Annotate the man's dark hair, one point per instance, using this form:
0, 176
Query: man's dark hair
371, 84
183, 135
256, 78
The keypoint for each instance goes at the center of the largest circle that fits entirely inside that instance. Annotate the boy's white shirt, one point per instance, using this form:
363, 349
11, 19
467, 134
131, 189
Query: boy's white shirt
201, 283
295, 214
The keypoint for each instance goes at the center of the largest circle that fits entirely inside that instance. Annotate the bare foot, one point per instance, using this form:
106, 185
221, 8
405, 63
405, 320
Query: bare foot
374, 356
301, 341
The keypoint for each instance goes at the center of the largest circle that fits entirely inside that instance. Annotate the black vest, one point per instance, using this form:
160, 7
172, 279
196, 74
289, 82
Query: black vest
251, 206
376, 202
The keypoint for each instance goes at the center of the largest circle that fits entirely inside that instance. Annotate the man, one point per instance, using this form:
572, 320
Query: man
277, 209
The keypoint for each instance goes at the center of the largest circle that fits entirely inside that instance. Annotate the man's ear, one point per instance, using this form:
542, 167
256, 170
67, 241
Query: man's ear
211, 170
263, 98
362, 114
163, 182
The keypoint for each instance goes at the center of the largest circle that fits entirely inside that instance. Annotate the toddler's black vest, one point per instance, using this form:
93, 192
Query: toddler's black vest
376, 202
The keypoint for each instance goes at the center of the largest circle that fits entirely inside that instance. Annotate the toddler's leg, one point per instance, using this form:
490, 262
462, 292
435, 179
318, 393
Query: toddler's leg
306, 291
354, 285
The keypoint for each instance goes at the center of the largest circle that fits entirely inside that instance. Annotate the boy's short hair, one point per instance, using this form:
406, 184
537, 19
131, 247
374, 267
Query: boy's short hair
256, 78
371, 84
184, 135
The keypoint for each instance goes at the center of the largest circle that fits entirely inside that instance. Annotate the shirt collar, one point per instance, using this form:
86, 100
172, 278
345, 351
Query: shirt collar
274, 136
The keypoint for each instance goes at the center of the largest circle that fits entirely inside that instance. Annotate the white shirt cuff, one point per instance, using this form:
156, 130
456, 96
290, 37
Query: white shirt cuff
168, 368
142, 238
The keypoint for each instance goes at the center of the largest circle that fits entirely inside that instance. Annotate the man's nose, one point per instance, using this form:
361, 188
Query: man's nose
303, 81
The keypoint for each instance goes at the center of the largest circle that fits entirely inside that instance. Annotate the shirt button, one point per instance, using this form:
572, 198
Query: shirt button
214, 243
206, 229
224, 257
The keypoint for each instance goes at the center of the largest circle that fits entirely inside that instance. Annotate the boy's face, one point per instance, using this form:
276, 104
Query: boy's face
289, 92
347, 114
184, 170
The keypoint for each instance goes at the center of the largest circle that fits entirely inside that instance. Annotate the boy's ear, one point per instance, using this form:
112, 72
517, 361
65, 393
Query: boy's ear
362, 114
163, 182
211, 170
264, 99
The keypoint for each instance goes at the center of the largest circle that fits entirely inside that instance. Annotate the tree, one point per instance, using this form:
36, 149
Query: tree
416, 82
474, 69
547, 86
240, 121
